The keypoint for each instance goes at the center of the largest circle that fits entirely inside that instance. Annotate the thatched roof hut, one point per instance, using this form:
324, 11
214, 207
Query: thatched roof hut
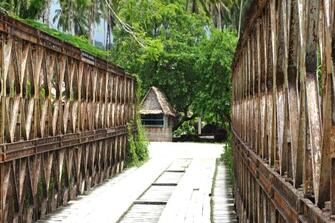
155, 102
157, 115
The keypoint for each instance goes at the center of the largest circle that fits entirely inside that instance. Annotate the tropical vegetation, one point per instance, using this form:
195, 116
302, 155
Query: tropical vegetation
79, 17
184, 47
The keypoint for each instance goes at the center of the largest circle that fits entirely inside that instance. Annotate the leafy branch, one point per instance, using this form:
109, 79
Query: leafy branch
126, 27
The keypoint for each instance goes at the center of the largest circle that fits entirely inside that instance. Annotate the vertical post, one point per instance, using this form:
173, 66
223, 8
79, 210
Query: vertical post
332, 183
199, 125
1, 195
4, 180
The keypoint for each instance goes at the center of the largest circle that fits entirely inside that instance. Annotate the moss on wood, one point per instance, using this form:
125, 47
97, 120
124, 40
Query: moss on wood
78, 41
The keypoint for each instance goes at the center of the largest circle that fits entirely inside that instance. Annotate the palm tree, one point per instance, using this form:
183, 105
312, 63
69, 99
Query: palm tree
45, 15
31, 9
110, 18
97, 12
72, 16
220, 11
224, 13
79, 17
215, 9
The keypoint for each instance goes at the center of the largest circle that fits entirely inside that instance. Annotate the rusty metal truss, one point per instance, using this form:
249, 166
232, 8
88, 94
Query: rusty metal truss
284, 112
63, 116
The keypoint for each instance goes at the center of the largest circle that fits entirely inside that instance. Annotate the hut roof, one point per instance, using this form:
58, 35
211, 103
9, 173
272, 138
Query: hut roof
155, 102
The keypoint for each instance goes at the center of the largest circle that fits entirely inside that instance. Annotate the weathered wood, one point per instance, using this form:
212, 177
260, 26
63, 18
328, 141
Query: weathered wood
283, 89
332, 186
59, 132
222, 197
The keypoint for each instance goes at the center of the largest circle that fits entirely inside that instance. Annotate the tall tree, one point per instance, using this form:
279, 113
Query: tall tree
224, 13
172, 37
31, 9
215, 9
214, 99
72, 16
97, 11
176, 56
45, 17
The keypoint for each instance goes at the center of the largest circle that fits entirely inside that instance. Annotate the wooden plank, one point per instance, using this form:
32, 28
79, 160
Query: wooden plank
143, 213
222, 197
275, 184
332, 186
157, 194
169, 178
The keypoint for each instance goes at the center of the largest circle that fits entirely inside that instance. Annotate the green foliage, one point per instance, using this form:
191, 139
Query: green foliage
213, 101
141, 142
24, 8
72, 16
171, 39
78, 41
182, 52
138, 144
137, 141
78, 16
227, 156
183, 55
224, 13
187, 128
132, 158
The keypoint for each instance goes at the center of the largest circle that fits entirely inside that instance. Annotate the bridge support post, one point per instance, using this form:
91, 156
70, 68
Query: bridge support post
1, 194
332, 186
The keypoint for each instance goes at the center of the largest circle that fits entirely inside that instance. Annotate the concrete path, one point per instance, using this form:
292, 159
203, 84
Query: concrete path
189, 202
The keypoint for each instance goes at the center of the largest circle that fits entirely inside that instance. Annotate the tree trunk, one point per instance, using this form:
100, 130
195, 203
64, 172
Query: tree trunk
194, 6
110, 27
219, 17
71, 24
91, 33
213, 15
46, 13
199, 125
240, 19
91, 24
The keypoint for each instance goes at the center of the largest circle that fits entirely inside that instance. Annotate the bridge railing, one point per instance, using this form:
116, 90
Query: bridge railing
63, 116
284, 112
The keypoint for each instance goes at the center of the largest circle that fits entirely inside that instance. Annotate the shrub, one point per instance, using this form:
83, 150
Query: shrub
137, 141
227, 156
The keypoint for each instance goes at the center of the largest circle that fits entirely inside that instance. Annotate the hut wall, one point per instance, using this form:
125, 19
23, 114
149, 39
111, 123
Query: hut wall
155, 134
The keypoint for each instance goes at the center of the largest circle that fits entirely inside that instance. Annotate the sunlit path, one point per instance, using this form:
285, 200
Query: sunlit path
188, 201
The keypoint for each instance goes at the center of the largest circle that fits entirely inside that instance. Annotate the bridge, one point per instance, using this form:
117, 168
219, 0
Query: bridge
63, 130
62, 121
64, 143
283, 113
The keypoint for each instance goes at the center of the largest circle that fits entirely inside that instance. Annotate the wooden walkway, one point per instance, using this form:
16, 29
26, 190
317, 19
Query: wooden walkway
174, 186
223, 210
150, 205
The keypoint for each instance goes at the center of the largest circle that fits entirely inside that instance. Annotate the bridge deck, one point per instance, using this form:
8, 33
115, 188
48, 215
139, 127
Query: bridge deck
174, 186
223, 210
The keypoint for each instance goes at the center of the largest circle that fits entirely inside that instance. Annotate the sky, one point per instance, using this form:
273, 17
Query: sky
99, 31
